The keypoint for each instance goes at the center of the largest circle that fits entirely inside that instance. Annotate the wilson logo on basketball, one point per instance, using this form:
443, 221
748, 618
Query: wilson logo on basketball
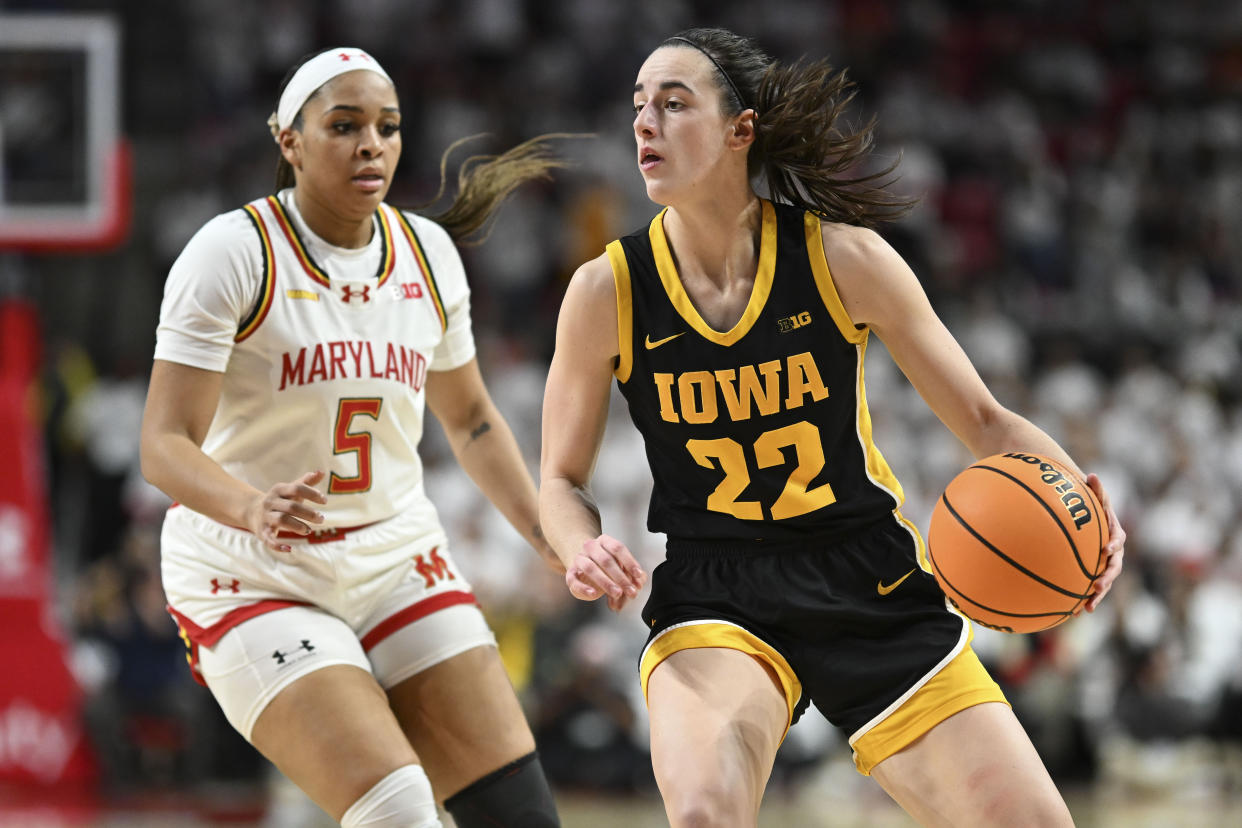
1073, 500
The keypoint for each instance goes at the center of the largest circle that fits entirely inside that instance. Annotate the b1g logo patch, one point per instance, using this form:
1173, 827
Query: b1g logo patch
792, 323
407, 290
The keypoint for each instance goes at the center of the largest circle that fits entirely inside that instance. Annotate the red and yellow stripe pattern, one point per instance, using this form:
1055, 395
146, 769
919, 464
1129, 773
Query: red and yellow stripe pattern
251, 323
429, 280
387, 258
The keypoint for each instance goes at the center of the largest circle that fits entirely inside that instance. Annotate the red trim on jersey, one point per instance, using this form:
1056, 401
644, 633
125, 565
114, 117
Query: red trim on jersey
308, 264
413, 613
423, 265
269, 276
208, 636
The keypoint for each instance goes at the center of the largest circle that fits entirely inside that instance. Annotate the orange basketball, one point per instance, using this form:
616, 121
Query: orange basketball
1016, 542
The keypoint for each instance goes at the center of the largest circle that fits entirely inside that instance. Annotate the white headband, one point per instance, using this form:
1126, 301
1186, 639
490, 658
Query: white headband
313, 74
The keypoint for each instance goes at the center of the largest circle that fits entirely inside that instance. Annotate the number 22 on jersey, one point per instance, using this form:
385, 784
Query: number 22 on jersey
796, 499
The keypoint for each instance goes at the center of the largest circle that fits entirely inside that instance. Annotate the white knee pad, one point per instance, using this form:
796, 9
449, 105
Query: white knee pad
402, 799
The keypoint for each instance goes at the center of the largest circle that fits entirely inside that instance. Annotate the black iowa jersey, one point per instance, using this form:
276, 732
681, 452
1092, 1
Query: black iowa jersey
760, 432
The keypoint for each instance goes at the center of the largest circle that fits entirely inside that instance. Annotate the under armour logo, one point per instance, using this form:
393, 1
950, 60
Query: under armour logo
348, 293
216, 586
280, 657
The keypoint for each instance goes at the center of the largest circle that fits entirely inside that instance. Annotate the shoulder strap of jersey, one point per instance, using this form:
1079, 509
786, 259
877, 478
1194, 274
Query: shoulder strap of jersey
267, 287
420, 258
625, 310
388, 253
284, 222
823, 281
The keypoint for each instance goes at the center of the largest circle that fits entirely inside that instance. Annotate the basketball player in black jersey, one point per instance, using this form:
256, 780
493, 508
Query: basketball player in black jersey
736, 328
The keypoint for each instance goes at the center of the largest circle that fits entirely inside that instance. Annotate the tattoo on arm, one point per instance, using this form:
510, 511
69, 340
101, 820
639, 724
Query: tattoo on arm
483, 428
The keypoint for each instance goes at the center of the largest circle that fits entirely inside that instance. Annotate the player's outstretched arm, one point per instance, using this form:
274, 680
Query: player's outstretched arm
878, 289
575, 410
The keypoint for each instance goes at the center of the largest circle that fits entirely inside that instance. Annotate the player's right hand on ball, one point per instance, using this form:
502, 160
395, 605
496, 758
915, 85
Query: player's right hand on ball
282, 508
605, 567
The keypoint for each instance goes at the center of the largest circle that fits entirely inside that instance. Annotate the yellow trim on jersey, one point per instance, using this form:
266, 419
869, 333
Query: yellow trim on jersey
924, 561
962, 683
625, 310
877, 467
411, 237
268, 291
695, 634
823, 280
681, 300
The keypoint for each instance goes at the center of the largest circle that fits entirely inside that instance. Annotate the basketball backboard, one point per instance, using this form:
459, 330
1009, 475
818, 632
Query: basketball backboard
64, 166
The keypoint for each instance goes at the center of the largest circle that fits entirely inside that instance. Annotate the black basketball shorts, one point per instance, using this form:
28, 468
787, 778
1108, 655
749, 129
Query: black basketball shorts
856, 624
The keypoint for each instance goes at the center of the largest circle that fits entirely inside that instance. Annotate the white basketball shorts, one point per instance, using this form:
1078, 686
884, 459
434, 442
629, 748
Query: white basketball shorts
386, 598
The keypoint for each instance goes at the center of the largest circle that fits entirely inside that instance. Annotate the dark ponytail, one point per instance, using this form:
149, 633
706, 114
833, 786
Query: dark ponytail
801, 151
483, 181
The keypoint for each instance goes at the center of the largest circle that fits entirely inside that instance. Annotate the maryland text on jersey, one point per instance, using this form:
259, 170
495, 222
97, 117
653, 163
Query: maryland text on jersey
326, 361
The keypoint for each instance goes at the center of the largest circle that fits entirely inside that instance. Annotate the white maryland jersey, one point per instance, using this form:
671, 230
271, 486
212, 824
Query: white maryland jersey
325, 350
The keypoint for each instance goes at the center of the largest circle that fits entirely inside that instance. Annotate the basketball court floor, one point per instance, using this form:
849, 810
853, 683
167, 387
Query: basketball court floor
1183, 787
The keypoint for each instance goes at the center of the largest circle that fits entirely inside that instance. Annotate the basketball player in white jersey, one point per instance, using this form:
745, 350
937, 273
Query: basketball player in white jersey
299, 340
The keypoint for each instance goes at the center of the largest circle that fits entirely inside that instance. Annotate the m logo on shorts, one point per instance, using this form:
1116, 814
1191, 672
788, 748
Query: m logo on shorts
433, 568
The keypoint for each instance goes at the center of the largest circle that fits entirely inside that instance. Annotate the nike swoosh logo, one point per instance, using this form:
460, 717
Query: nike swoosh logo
885, 590
660, 342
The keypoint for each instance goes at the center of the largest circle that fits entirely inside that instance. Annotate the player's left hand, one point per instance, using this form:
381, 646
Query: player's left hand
606, 567
1115, 549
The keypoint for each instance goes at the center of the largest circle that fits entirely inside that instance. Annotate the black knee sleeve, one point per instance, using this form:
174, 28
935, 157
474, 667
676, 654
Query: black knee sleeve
515, 796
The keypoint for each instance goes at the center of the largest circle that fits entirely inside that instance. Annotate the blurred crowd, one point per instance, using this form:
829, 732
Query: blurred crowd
1079, 170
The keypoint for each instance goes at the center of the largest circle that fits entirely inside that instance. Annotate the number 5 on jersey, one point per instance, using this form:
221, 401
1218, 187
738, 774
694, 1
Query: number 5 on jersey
345, 440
